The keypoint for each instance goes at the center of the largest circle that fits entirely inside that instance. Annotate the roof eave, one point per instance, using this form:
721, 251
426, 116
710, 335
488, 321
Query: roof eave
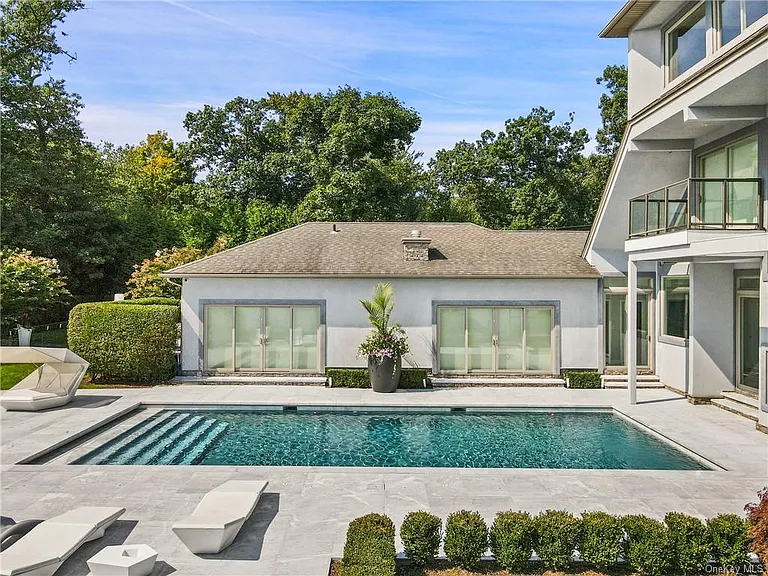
622, 22
581, 276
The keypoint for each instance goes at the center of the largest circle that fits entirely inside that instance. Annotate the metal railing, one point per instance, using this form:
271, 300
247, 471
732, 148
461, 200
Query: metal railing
698, 204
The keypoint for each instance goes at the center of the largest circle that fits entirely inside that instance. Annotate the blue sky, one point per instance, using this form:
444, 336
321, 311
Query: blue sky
464, 66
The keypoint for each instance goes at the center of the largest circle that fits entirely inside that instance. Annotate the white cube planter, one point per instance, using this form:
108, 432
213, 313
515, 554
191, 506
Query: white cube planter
125, 560
25, 336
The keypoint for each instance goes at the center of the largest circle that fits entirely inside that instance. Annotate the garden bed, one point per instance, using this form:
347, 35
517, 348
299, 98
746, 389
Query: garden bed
487, 568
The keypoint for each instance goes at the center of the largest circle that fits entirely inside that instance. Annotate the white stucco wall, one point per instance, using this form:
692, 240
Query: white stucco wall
672, 364
346, 321
711, 343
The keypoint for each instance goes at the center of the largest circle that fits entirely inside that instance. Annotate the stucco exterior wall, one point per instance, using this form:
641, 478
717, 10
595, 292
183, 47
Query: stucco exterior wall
346, 321
672, 364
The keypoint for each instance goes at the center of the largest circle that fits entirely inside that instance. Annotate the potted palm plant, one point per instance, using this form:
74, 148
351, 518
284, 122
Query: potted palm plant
385, 345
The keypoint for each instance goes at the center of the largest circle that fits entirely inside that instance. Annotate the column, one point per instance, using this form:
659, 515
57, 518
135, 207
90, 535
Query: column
632, 330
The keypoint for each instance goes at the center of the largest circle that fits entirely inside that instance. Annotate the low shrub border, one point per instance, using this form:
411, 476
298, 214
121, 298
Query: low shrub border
410, 378
583, 380
151, 301
680, 545
127, 342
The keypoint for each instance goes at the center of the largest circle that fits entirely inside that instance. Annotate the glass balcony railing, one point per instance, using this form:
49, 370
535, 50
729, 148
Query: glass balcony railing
698, 204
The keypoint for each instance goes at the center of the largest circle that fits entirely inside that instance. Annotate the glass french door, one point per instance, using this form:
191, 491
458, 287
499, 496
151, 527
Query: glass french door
615, 323
262, 338
748, 333
495, 339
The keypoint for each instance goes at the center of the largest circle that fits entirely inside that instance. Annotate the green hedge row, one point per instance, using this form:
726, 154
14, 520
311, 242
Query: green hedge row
583, 380
681, 545
358, 377
126, 342
370, 547
151, 301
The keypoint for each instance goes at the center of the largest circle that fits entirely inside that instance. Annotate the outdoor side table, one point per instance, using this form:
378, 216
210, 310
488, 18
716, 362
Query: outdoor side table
124, 560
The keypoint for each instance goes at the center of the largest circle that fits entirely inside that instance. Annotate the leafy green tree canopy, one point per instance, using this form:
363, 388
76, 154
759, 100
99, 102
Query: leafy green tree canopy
613, 109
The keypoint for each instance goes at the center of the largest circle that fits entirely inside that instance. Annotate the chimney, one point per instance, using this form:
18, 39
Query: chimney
415, 247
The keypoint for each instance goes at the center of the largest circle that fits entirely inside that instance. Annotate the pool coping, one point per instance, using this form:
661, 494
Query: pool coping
70, 443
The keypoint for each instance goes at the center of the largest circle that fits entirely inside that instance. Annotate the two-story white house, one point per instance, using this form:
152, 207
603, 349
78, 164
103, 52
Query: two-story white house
680, 234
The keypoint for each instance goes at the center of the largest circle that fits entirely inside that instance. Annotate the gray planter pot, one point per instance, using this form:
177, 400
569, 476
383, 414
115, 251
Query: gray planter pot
25, 336
384, 373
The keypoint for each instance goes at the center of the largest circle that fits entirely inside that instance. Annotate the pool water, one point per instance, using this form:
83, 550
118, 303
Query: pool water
391, 439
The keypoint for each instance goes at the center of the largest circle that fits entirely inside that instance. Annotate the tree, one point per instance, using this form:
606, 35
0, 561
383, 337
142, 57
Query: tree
340, 155
613, 109
32, 285
530, 175
53, 184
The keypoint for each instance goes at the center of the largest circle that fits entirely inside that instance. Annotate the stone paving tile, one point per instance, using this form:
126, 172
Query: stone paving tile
302, 519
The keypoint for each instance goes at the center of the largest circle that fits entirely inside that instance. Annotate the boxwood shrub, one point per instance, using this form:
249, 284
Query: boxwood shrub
556, 537
421, 533
646, 545
583, 380
728, 540
466, 538
370, 547
359, 378
512, 536
689, 543
600, 539
128, 342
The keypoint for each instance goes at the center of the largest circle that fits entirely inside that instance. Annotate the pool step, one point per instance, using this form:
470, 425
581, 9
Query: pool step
181, 444
194, 455
130, 438
145, 441
165, 442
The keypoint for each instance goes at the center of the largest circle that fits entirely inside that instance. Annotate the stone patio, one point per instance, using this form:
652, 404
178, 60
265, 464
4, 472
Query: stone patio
301, 520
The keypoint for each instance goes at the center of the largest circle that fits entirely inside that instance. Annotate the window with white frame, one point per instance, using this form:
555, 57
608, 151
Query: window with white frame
675, 298
735, 16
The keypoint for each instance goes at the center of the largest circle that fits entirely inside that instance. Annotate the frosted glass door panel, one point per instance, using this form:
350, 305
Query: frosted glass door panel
451, 336
510, 347
219, 328
306, 323
742, 196
278, 338
480, 338
538, 339
248, 338
710, 210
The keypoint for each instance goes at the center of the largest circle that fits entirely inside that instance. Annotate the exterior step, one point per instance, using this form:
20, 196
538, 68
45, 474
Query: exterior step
165, 442
736, 408
619, 381
741, 399
134, 440
457, 382
254, 380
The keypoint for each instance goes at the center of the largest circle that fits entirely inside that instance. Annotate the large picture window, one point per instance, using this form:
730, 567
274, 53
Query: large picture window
687, 41
675, 305
495, 339
262, 338
734, 16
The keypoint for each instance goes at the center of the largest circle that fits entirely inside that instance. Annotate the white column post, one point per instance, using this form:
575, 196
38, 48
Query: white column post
632, 330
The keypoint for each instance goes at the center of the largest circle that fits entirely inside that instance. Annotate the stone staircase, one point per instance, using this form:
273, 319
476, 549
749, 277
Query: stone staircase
620, 381
738, 403
464, 381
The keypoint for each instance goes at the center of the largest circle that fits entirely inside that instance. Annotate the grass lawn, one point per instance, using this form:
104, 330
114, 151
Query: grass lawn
11, 374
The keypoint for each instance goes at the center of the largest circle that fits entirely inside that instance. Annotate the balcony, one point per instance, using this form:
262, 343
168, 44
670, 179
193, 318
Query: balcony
698, 204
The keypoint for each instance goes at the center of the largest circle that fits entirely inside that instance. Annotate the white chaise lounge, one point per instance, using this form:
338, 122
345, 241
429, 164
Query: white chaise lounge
218, 518
44, 549
53, 384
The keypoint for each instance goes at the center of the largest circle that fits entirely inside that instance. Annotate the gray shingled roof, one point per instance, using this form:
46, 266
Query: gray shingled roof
375, 249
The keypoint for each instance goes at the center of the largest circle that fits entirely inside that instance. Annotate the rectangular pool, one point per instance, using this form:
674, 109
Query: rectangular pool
395, 438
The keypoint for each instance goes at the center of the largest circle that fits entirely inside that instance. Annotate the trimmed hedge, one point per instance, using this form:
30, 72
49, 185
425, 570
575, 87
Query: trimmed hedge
646, 547
512, 536
728, 539
152, 301
600, 539
689, 543
410, 378
370, 547
421, 533
556, 537
583, 380
466, 538
127, 343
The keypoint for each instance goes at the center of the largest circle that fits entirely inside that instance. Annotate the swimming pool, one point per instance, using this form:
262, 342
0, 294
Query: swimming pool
395, 438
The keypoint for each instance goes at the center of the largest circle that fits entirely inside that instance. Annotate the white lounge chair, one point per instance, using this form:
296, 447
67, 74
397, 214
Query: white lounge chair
53, 384
218, 518
44, 549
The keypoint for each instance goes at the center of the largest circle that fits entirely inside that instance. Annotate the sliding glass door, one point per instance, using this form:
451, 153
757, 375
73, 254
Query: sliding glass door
495, 339
615, 321
748, 332
262, 338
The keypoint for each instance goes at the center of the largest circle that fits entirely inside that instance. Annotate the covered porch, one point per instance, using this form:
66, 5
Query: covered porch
711, 321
